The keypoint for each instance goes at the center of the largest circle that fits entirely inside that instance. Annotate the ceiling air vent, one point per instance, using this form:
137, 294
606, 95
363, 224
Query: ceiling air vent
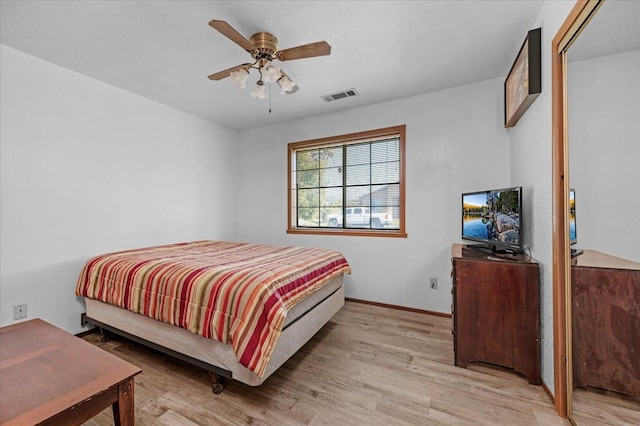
340, 95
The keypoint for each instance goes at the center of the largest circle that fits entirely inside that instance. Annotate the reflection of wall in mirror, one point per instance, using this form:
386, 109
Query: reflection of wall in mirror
603, 151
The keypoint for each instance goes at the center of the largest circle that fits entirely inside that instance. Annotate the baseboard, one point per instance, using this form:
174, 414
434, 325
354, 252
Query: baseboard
400, 308
364, 302
549, 394
86, 333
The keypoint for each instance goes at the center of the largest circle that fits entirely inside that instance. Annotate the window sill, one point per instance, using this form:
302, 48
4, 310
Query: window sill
393, 233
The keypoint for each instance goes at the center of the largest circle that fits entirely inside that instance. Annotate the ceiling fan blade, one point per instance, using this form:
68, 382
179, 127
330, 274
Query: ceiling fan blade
233, 35
224, 74
319, 48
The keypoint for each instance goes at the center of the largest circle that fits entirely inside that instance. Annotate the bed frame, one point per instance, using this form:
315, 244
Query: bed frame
217, 358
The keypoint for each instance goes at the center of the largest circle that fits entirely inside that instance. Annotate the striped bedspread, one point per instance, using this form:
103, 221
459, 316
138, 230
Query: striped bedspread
236, 293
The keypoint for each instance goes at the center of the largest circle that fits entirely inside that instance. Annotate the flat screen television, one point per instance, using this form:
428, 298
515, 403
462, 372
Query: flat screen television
493, 218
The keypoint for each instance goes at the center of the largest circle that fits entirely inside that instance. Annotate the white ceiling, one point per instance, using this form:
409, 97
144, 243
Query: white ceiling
164, 50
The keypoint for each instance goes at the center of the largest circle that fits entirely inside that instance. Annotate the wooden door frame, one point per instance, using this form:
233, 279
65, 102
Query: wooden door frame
579, 16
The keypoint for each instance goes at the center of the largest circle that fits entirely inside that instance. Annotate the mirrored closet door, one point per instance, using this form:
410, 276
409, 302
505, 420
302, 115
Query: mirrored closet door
603, 119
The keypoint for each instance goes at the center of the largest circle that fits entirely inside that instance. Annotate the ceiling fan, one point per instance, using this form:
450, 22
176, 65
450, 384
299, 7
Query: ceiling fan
263, 48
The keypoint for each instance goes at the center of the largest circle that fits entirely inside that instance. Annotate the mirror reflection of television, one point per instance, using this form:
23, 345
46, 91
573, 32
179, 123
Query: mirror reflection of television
573, 231
573, 235
494, 219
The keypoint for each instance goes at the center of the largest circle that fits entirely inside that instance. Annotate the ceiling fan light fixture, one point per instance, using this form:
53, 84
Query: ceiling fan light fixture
260, 91
286, 84
270, 73
239, 77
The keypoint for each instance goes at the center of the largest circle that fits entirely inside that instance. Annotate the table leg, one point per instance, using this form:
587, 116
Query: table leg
123, 408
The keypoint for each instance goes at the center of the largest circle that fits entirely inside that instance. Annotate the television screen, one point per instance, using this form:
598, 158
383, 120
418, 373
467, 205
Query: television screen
493, 217
573, 235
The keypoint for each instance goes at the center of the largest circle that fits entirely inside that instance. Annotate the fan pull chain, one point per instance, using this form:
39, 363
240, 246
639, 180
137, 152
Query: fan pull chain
269, 98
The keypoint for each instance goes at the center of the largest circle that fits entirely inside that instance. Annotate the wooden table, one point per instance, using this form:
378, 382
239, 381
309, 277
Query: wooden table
48, 376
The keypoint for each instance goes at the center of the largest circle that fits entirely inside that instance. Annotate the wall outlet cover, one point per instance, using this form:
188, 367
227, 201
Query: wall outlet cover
20, 311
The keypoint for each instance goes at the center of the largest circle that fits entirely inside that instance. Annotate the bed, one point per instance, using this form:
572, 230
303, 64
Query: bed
238, 310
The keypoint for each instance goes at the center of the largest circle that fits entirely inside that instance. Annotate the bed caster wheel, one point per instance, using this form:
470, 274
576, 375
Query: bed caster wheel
104, 336
217, 383
217, 388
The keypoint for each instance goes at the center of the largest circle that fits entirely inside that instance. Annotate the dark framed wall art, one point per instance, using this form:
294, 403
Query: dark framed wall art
524, 82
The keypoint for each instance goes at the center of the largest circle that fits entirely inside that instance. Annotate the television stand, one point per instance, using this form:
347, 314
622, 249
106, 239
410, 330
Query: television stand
486, 250
496, 311
576, 252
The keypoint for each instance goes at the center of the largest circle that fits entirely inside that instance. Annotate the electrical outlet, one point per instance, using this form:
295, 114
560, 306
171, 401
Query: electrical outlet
20, 311
83, 319
433, 283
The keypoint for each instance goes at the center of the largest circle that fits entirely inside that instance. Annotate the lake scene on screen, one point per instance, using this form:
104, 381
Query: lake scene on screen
473, 224
572, 216
492, 216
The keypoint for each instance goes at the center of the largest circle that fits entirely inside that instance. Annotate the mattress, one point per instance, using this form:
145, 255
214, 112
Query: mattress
308, 303
240, 294
301, 327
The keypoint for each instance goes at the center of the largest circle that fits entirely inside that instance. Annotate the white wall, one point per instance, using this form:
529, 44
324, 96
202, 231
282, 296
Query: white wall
604, 152
531, 167
455, 143
87, 168
72, 182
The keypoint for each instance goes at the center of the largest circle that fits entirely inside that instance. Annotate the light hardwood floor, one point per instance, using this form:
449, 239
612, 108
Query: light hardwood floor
369, 365
595, 407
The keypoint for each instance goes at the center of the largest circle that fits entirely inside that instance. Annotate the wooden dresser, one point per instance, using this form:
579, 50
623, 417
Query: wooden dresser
496, 311
605, 300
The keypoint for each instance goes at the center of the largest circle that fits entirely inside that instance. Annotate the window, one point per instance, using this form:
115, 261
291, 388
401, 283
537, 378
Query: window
350, 184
